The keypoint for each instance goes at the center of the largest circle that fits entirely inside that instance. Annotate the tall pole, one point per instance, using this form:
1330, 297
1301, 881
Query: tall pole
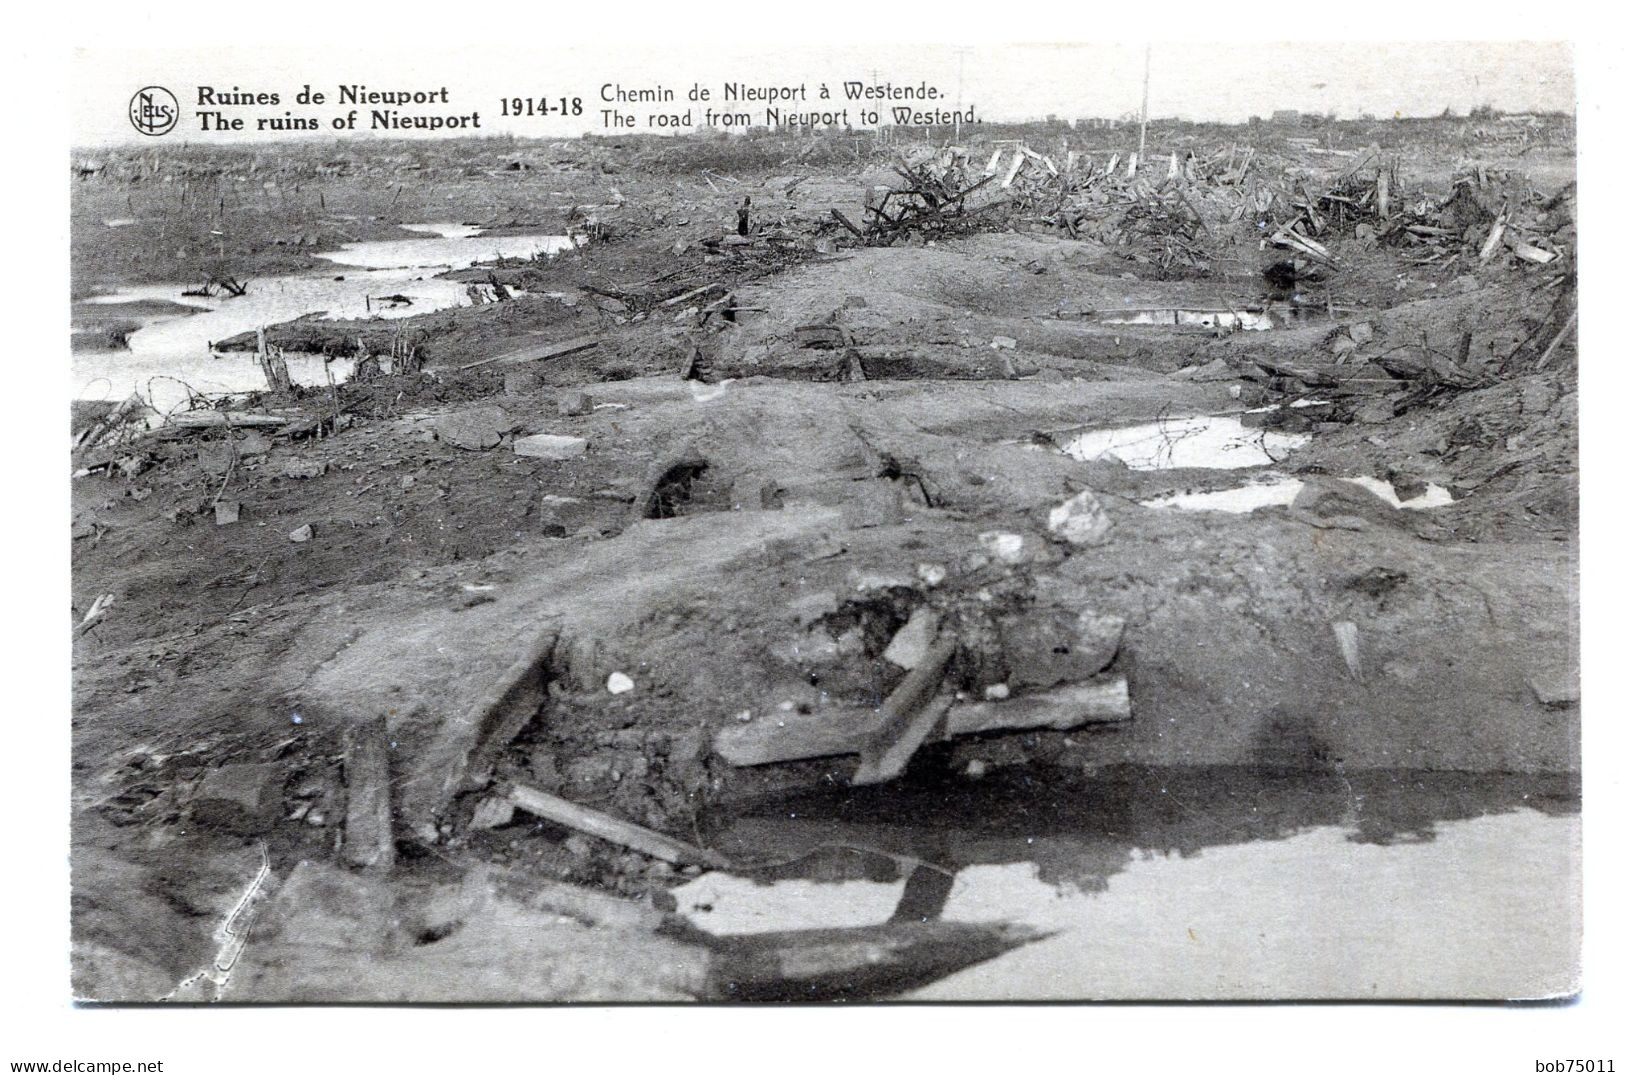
1145, 100
959, 98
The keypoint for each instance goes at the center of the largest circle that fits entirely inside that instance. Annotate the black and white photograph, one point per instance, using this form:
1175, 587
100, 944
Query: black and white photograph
773, 523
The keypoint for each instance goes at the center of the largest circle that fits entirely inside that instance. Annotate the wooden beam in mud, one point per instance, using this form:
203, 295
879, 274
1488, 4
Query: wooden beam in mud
214, 419
908, 717
369, 820
796, 736
607, 827
537, 353
461, 755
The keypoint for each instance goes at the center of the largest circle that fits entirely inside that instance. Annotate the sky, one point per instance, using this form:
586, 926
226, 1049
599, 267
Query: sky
1220, 81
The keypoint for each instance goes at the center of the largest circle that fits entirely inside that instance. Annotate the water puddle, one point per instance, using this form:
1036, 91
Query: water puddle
444, 252
1248, 319
1212, 441
1171, 883
173, 351
1434, 496
1240, 500
446, 229
172, 354
1282, 491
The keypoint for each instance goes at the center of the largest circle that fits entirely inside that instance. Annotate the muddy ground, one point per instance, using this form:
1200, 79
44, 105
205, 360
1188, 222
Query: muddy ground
756, 513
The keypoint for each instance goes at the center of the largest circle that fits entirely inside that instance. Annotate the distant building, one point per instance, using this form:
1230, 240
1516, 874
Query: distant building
1286, 115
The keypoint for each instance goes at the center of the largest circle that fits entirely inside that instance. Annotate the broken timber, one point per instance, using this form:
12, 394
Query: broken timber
795, 736
369, 827
606, 827
908, 717
536, 354
460, 757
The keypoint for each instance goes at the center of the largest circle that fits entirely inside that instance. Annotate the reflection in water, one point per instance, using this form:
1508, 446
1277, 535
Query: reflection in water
1390, 884
1216, 441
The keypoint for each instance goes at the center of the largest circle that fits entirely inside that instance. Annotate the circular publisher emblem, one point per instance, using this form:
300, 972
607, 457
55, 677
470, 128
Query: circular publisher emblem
154, 110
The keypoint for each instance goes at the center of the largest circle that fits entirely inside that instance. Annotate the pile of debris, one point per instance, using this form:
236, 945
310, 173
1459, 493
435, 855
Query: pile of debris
932, 204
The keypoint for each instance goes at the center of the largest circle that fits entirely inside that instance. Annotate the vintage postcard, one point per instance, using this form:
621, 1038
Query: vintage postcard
1062, 522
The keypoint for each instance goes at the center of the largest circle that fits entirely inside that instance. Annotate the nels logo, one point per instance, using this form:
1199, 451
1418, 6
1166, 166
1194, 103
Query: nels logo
154, 110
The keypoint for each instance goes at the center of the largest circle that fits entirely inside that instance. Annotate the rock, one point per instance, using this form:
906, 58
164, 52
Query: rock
301, 535
1057, 645
1342, 345
303, 469
1007, 548
226, 512
493, 812
550, 446
574, 404
476, 429
907, 647
931, 574
1279, 419
618, 683
244, 798
1343, 504
1080, 521
1002, 343
1407, 488
1361, 332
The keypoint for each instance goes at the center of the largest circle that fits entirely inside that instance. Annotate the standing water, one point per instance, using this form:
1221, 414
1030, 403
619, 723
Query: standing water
172, 355
1184, 883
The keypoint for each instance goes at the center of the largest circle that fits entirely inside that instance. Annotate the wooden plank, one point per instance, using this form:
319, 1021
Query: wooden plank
369, 825
823, 733
537, 353
907, 719
217, 419
607, 827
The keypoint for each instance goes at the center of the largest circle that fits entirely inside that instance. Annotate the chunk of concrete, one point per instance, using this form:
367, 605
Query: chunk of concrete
550, 446
574, 404
1007, 548
476, 429
1080, 521
303, 469
226, 512
1057, 645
